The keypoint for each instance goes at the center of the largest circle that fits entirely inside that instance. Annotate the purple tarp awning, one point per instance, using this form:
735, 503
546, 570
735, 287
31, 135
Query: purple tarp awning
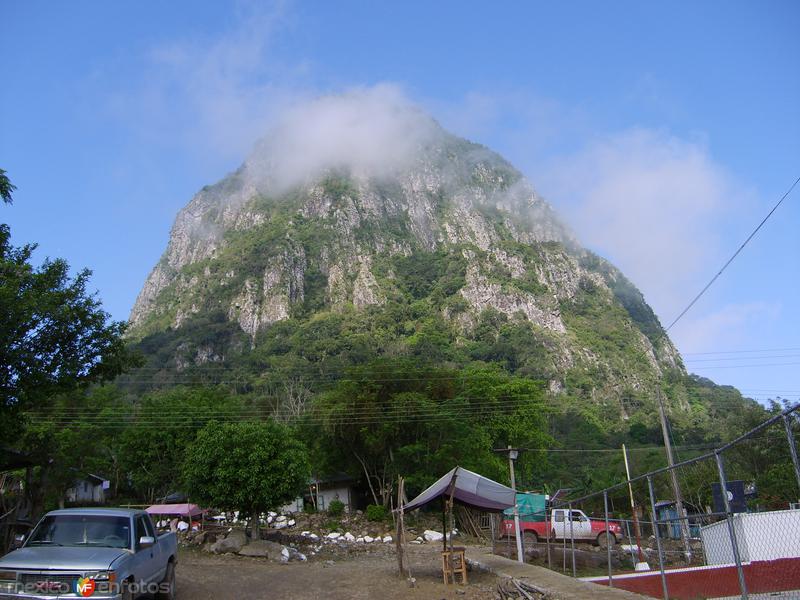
470, 489
183, 510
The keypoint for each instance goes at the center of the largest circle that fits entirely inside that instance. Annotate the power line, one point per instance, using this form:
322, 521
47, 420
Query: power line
735, 254
765, 357
739, 351
745, 366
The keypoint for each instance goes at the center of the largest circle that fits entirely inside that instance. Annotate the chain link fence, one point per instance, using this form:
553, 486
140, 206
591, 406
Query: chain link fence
733, 531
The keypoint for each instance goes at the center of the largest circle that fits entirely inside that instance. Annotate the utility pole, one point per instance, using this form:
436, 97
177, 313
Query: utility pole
636, 529
676, 489
513, 454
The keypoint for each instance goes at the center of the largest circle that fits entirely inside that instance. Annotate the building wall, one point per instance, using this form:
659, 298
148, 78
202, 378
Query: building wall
759, 536
86, 491
327, 495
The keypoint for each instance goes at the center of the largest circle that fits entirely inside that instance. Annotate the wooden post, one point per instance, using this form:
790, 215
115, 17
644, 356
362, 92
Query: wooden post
401, 562
636, 528
492, 526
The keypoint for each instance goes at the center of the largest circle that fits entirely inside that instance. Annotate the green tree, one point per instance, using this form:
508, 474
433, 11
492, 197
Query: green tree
399, 417
250, 466
69, 439
6, 188
54, 335
160, 428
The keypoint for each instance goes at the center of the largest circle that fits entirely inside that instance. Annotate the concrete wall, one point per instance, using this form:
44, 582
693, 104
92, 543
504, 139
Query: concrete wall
326, 496
759, 536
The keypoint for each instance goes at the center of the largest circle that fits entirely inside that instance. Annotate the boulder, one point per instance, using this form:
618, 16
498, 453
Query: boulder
432, 536
237, 534
234, 542
349, 537
334, 535
263, 549
387, 539
204, 537
368, 539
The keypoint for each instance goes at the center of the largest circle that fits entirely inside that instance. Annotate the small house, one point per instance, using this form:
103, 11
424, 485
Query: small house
666, 510
89, 489
322, 491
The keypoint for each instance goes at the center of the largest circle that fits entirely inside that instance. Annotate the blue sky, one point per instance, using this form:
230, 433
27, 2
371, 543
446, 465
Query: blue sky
662, 133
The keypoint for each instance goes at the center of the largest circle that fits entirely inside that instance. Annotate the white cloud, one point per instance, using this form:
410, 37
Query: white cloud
652, 203
375, 130
214, 95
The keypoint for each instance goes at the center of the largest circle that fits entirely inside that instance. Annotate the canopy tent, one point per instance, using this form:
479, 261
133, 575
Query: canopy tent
467, 488
181, 510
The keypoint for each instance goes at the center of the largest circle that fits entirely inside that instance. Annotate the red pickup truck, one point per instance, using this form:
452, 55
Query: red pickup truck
563, 526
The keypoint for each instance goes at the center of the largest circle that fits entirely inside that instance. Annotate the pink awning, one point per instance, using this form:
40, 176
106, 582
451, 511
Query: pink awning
181, 510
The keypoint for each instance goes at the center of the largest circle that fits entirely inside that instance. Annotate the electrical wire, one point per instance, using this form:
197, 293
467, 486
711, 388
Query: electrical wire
739, 351
735, 254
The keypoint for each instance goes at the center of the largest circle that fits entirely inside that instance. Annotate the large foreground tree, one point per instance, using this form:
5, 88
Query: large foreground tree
248, 466
54, 335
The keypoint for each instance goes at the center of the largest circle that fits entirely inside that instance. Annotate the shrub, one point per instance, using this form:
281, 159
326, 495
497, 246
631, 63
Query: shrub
377, 512
336, 508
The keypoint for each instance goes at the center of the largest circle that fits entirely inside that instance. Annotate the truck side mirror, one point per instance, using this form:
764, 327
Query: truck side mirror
19, 540
146, 541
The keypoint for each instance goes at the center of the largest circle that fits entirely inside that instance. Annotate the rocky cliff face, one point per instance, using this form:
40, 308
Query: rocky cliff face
339, 239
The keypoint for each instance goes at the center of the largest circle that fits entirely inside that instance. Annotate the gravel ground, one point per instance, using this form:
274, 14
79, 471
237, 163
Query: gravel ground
201, 576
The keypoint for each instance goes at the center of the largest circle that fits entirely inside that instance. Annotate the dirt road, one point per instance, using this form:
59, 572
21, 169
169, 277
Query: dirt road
202, 576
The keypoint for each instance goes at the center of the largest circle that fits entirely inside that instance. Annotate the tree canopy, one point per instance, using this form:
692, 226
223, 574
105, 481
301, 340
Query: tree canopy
6, 188
54, 334
250, 466
402, 417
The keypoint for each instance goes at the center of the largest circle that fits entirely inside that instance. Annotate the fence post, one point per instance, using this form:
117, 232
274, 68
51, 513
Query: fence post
787, 423
572, 540
492, 527
657, 536
564, 547
731, 528
548, 519
608, 541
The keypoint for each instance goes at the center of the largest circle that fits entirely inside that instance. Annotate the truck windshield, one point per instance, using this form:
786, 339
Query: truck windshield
82, 530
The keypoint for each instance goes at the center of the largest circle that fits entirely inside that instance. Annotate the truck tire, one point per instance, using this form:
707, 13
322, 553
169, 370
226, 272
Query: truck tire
169, 581
530, 537
126, 590
606, 538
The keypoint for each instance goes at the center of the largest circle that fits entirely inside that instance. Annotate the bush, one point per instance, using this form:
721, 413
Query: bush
377, 512
336, 508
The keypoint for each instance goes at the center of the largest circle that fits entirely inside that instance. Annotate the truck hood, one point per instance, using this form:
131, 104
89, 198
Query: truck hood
64, 558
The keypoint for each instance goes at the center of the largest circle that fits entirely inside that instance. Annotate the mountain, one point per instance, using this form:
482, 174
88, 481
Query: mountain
362, 228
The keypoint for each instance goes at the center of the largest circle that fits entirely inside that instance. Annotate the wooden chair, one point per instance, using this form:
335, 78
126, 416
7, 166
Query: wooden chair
453, 562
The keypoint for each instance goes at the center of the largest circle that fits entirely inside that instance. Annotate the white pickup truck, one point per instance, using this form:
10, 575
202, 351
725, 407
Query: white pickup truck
92, 552
564, 525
